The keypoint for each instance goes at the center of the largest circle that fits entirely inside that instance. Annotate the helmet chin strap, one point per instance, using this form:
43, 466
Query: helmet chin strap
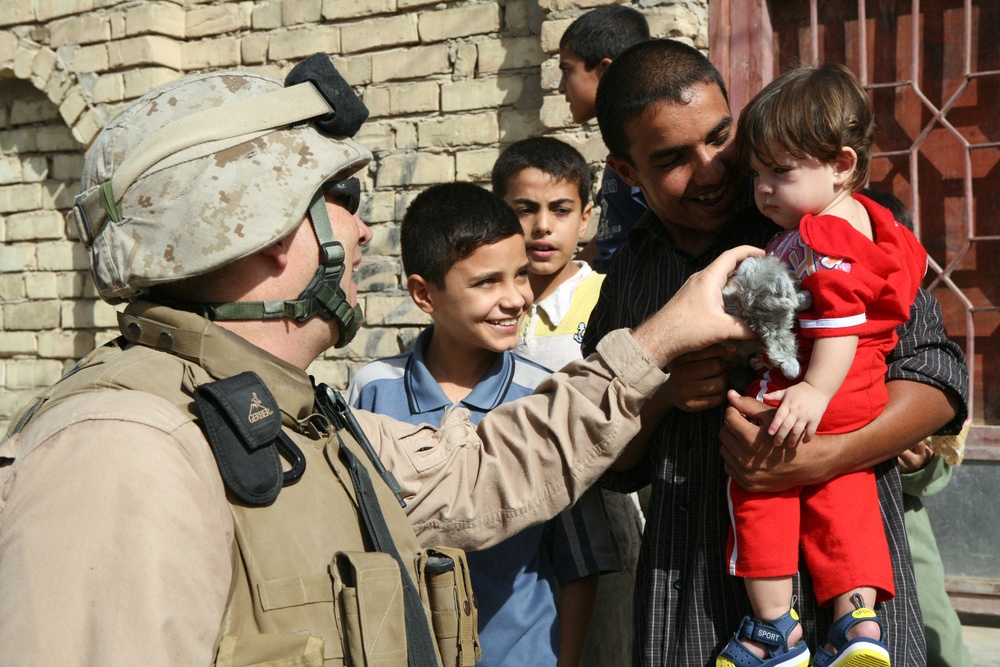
323, 296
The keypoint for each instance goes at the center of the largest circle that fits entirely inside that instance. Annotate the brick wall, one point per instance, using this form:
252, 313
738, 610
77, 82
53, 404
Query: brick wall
447, 83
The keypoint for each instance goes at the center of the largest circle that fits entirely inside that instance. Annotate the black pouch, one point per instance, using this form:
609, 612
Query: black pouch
241, 421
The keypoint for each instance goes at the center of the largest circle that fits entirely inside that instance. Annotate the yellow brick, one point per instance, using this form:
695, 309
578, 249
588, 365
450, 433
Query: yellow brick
20, 257
149, 50
42, 67
85, 29
224, 52
64, 344
475, 166
339, 9
380, 33
459, 22
23, 60
555, 112
109, 88
40, 285
46, 10
402, 99
155, 17
17, 342
294, 12
465, 61
516, 125
267, 16
253, 48
34, 226
21, 197
8, 40
415, 168
13, 12
481, 93
356, 70
509, 53
459, 130
217, 19
141, 80
412, 63
60, 256
36, 316
297, 44
551, 33
85, 129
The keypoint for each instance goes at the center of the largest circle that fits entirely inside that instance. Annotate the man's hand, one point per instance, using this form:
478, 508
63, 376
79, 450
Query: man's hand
751, 457
698, 380
694, 318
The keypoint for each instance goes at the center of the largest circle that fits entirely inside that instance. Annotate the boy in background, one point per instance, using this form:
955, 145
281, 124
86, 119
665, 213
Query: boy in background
547, 183
586, 49
463, 254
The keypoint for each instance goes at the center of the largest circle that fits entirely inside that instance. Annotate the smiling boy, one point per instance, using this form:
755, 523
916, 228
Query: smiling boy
464, 255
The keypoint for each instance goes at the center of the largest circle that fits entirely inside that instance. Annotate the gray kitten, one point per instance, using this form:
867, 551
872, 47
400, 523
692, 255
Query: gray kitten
767, 297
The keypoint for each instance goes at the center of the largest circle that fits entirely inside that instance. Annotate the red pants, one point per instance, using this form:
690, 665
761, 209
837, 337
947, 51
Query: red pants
838, 524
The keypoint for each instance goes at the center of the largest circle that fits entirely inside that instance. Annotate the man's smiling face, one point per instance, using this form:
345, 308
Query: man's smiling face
683, 160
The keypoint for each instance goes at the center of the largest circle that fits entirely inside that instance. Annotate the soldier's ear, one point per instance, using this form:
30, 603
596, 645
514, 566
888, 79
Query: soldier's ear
422, 292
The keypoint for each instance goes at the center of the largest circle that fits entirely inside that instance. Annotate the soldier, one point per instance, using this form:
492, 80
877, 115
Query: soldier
186, 495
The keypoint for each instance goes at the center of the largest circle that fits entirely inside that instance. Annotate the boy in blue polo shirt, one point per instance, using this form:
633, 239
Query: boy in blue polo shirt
464, 255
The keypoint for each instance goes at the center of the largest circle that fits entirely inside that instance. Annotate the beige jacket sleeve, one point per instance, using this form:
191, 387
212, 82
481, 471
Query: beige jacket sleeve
529, 459
116, 540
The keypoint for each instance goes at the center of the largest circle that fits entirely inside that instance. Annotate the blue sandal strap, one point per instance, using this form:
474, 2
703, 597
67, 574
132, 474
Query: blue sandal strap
773, 635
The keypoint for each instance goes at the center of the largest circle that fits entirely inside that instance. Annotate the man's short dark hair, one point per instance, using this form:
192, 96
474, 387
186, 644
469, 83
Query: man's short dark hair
604, 33
446, 223
548, 155
660, 70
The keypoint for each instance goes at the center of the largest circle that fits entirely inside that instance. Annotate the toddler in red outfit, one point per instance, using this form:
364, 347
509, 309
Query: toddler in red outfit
807, 137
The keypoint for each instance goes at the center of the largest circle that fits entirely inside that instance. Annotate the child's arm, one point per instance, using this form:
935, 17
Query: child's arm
803, 405
575, 608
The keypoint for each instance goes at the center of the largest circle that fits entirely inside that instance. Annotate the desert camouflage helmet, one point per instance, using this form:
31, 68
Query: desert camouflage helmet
206, 170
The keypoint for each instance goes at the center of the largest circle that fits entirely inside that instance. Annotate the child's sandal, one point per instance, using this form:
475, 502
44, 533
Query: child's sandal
773, 635
858, 652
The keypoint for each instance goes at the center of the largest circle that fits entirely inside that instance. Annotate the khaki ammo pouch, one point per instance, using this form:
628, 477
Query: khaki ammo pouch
446, 585
270, 650
369, 601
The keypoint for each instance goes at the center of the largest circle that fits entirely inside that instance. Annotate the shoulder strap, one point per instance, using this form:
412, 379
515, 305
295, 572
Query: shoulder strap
420, 642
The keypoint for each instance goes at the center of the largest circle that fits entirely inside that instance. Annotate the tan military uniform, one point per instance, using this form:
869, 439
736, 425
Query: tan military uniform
112, 487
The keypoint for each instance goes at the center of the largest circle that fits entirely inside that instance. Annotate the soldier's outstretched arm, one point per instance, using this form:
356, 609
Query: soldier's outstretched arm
529, 459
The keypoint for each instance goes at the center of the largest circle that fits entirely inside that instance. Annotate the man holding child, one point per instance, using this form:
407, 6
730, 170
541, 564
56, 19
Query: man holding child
664, 116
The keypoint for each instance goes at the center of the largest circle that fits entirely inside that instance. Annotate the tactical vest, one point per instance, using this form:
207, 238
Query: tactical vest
308, 587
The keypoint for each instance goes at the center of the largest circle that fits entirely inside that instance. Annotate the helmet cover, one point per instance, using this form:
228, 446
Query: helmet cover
210, 204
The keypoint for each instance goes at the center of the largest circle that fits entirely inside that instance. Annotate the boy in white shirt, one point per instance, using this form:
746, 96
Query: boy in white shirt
547, 183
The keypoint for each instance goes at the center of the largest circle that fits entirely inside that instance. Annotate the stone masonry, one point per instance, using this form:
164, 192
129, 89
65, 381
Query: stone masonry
448, 83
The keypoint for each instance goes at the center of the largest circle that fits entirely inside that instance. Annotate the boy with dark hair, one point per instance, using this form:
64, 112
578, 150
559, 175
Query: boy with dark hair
586, 49
664, 116
547, 183
463, 253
